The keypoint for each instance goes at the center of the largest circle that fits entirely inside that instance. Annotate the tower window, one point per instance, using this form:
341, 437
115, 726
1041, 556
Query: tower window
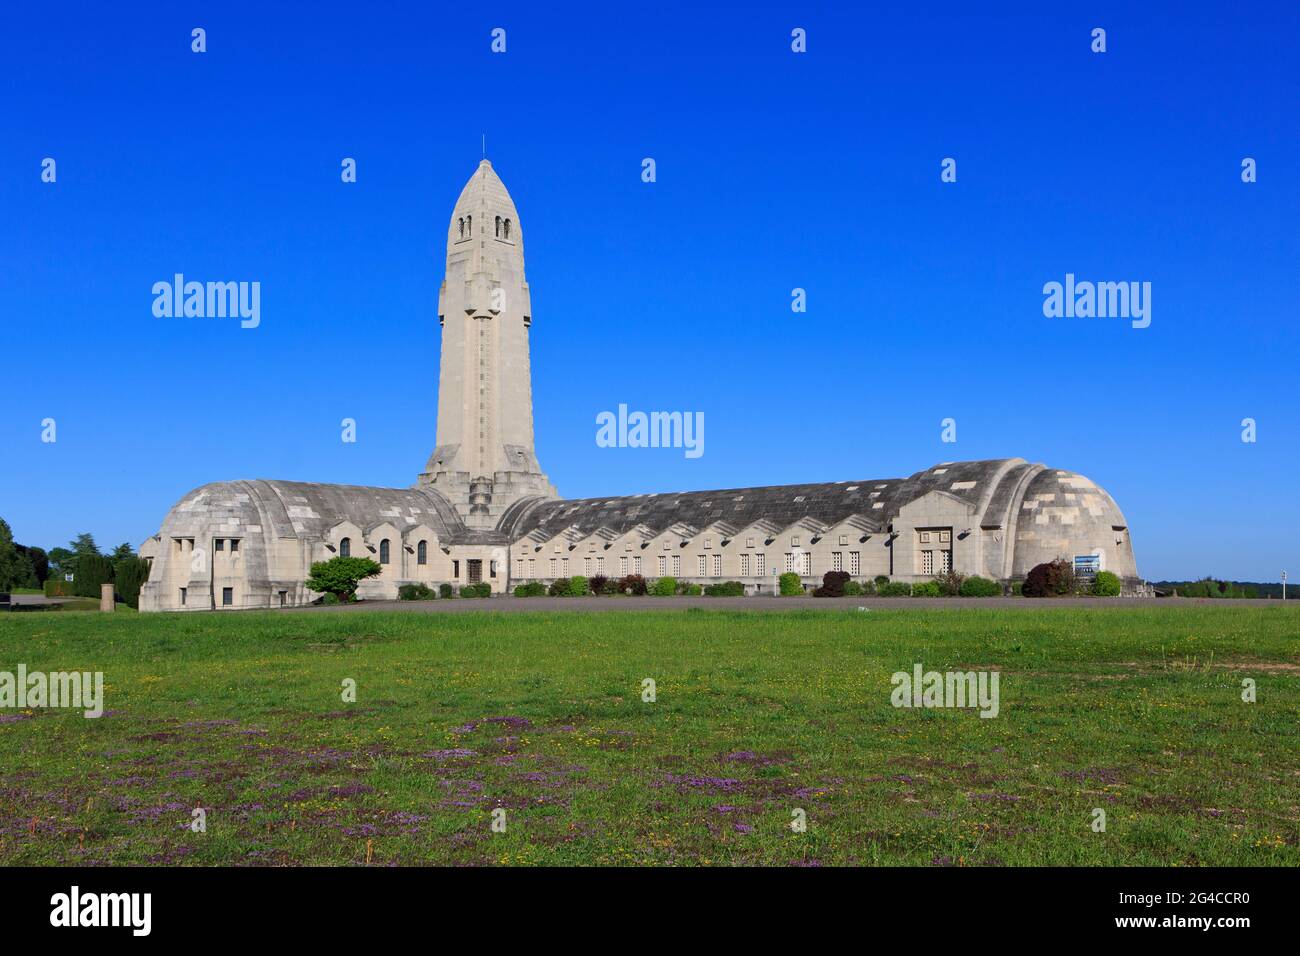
462, 227
505, 229
345, 548
498, 232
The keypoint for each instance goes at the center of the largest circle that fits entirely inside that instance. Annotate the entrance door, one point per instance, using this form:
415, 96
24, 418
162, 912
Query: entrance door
474, 569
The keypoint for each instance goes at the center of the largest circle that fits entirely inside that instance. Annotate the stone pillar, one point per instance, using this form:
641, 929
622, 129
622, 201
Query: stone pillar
106, 597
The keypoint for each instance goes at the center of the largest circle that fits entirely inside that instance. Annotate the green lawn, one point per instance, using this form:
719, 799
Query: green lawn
1137, 711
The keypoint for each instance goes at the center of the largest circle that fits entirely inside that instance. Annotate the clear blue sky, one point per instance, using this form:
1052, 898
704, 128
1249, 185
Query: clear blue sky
775, 171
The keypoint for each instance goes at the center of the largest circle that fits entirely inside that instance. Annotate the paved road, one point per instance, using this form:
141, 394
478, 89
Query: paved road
594, 604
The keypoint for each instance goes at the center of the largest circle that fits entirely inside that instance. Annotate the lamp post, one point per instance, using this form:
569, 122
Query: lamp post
1283, 585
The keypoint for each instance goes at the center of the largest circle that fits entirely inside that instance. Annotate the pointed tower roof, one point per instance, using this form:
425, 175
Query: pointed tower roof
485, 190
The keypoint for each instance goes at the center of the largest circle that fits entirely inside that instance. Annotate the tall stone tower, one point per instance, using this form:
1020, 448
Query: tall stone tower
484, 459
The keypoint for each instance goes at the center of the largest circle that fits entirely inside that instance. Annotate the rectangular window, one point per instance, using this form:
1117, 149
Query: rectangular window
234, 544
760, 564
532, 567
844, 539
564, 566
622, 566
806, 563
677, 565
663, 565
927, 562
749, 542
702, 564
717, 565
455, 569
744, 565
219, 545
945, 561
600, 565
789, 562
586, 566
855, 562
227, 596
837, 560
519, 567
794, 542
636, 564
183, 590
553, 568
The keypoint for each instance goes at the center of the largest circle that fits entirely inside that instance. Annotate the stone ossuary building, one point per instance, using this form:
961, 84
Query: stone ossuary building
482, 509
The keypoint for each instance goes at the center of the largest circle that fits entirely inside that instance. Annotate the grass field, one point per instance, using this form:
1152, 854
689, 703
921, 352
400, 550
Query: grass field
1137, 711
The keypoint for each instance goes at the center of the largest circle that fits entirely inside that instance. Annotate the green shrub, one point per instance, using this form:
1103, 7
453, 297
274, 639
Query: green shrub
531, 589
559, 588
726, 589
445, 590
131, 574
328, 598
415, 592
338, 576
976, 586
927, 589
690, 589
579, 586
468, 591
790, 584
852, 589
893, 589
1106, 584
599, 583
664, 587
1018, 588
880, 581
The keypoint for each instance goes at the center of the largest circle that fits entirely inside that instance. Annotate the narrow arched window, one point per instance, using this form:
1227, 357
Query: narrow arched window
505, 229
462, 227
383, 551
345, 548
469, 226
422, 553
498, 227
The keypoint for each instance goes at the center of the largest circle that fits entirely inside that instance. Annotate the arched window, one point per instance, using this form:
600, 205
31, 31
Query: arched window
462, 227
422, 553
469, 226
345, 548
505, 229
383, 551
498, 227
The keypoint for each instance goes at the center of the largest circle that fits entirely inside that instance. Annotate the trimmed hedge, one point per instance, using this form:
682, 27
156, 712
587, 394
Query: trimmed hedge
93, 570
789, 584
690, 589
416, 592
893, 589
927, 589
57, 587
852, 589
725, 589
445, 590
579, 586
978, 587
481, 590
559, 588
531, 589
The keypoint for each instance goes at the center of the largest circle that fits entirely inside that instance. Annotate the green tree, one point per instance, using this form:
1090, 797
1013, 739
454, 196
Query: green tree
40, 562
93, 570
340, 576
121, 553
130, 574
62, 561
11, 564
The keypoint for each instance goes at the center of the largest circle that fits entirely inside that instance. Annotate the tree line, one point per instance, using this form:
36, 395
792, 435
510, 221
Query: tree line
78, 570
